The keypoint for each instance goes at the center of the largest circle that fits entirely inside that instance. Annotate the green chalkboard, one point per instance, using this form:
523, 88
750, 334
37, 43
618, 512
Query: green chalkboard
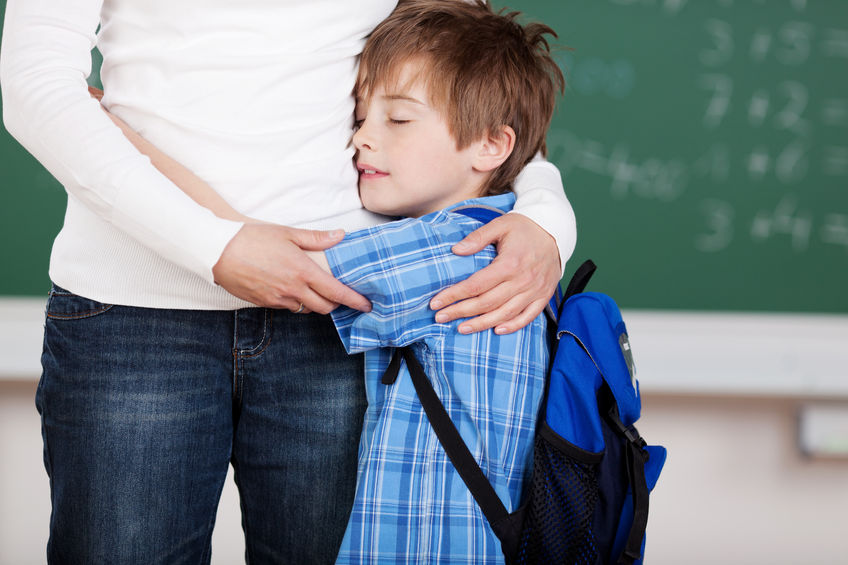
704, 146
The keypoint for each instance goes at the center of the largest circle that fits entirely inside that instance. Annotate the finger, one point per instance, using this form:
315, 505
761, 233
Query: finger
302, 301
334, 292
480, 282
315, 240
314, 302
479, 238
524, 318
301, 309
505, 313
479, 305
286, 303
281, 303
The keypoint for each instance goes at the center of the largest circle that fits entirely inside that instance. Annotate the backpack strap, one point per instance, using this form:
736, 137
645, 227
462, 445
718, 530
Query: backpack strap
580, 279
635, 456
483, 214
503, 525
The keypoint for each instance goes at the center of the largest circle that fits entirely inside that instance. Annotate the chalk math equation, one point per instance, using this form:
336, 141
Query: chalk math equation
747, 117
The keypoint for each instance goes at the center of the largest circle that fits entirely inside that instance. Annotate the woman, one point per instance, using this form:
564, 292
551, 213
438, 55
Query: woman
159, 369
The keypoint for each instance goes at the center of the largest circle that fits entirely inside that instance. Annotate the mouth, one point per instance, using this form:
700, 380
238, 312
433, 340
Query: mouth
369, 171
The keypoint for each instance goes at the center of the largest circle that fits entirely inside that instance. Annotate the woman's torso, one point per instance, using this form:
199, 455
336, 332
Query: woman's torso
253, 96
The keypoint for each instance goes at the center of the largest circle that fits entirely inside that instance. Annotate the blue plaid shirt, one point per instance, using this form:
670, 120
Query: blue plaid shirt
411, 506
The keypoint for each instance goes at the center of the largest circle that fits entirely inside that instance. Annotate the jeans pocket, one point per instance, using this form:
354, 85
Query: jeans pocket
65, 305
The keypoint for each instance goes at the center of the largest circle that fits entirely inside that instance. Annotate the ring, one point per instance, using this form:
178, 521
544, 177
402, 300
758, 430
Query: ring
299, 310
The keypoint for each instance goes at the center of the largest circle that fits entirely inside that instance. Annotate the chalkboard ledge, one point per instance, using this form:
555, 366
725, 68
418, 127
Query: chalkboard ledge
21, 333
772, 354
715, 353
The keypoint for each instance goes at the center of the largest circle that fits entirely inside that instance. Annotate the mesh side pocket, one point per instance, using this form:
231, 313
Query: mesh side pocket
558, 522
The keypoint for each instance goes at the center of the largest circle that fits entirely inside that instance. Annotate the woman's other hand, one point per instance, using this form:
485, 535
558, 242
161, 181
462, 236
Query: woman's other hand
509, 293
267, 265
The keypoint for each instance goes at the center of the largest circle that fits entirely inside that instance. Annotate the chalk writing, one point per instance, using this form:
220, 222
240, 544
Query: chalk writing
787, 221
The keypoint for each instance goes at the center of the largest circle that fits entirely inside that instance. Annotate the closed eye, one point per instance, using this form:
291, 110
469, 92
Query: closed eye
398, 122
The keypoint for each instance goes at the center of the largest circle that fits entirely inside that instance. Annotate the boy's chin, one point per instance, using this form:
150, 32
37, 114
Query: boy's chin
390, 212
384, 208
391, 207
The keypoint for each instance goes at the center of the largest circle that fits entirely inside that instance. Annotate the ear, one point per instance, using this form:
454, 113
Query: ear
494, 148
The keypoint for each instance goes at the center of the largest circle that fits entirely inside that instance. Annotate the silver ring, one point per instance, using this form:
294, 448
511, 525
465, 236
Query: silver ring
299, 310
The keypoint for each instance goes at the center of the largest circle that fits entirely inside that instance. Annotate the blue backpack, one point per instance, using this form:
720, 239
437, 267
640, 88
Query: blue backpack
592, 471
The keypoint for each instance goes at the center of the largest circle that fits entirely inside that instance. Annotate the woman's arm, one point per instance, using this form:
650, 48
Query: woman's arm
185, 180
45, 58
541, 197
188, 182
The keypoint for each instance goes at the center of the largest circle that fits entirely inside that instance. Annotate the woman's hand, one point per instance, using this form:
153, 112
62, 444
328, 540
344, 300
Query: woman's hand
509, 293
266, 264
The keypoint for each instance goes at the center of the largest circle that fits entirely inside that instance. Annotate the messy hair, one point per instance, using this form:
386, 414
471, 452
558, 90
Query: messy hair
482, 69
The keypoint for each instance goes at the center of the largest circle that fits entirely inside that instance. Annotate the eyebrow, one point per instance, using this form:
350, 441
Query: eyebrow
403, 97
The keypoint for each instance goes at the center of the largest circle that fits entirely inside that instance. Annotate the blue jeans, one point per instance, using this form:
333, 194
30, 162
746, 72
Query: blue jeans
143, 410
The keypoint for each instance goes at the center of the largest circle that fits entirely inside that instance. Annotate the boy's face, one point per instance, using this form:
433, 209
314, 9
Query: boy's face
407, 159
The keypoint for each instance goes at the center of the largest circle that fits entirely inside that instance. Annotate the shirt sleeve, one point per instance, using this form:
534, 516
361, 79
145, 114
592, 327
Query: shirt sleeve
44, 63
400, 266
540, 196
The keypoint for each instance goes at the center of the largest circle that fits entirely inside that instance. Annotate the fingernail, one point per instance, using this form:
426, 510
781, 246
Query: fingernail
465, 329
441, 318
336, 233
435, 305
461, 246
500, 331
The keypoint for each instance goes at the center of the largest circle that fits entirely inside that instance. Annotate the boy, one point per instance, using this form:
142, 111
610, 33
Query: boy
452, 101
446, 118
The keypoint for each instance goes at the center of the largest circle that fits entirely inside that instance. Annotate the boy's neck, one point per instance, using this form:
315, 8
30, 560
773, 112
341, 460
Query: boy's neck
479, 191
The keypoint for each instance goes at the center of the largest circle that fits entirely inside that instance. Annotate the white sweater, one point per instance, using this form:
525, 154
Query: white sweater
254, 96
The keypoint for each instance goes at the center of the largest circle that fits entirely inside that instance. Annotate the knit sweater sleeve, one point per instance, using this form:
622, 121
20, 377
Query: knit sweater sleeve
44, 63
540, 196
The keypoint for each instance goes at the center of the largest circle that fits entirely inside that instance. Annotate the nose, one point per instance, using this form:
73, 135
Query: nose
362, 138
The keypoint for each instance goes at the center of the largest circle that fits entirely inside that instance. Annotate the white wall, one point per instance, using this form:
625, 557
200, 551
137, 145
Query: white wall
735, 489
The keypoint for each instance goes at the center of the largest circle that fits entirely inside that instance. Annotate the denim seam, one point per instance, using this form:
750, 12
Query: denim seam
80, 315
236, 360
60, 293
263, 343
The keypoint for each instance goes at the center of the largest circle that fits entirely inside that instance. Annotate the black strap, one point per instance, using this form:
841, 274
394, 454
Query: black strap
456, 449
580, 279
391, 374
636, 456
